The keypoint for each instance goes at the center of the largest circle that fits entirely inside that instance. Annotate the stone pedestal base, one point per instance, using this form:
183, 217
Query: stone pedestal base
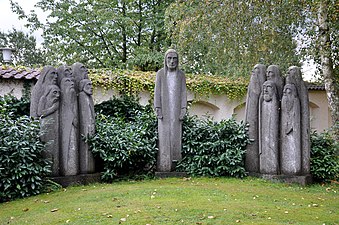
81, 179
170, 174
302, 180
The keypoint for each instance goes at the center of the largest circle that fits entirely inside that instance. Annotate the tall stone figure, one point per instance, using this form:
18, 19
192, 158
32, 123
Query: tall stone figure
258, 77
170, 103
290, 159
294, 77
69, 128
269, 129
48, 111
87, 125
45, 104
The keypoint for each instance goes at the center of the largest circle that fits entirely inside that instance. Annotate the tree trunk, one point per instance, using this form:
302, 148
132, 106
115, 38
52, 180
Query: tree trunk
331, 83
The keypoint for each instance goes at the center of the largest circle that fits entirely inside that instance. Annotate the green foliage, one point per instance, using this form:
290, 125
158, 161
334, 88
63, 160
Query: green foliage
10, 105
125, 107
324, 160
132, 82
230, 37
26, 51
102, 34
126, 139
22, 167
213, 148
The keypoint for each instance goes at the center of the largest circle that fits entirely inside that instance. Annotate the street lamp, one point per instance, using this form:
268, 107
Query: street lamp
7, 54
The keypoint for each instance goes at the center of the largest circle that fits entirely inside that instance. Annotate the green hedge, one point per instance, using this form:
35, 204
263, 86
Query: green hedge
214, 148
324, 158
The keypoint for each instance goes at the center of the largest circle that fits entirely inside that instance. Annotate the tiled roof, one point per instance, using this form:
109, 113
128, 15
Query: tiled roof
33, 74
19, 74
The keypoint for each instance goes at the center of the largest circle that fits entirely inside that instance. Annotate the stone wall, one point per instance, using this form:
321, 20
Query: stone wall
219, 107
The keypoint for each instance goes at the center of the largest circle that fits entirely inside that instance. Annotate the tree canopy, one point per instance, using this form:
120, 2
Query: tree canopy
26, 51
103, 33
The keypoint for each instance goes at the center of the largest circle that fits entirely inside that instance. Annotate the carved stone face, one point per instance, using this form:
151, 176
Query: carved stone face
268, 91
68, 83
52, 77
88, 89
54, 94
68, 72
172, 61
83, 70
270, 75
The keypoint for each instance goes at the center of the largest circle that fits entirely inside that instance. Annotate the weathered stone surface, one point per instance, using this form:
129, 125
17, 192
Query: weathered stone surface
87, 125
80, 72
268, 127
252, 116
273, 74
294, 77
170, 103
69, 128
48, 111
48, 77
290, 132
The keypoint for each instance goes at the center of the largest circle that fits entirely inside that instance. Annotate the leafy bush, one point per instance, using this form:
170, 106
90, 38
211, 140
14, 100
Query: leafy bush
22, 167
213, 148
126, 142
125, 107
10, 105
324, 161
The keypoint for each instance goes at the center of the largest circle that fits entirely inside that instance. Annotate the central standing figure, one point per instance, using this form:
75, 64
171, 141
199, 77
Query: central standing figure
170, 103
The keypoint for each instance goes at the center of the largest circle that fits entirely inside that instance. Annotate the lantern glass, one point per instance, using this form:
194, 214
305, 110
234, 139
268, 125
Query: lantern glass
7, 54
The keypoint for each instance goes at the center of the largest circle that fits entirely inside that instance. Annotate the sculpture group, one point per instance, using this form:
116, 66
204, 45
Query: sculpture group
278, 116
62, 99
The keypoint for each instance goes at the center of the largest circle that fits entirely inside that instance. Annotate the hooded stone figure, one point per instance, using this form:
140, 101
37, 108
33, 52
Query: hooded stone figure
64, 71
269, 129
48, 77
48, 110
69, 128
294, 77
290, 157
80, 72
170, 103
258, 77
273, 74
87, 125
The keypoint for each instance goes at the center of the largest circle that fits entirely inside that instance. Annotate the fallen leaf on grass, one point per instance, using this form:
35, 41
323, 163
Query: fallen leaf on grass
54, 210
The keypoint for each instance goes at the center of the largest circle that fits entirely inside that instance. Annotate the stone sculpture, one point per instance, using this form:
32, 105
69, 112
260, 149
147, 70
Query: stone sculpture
69, 127
252, 116
62, 100
48, 111
268, 129
170, 103
290, 157
294, 77
87, 125
273, 74
282, 133
48, 77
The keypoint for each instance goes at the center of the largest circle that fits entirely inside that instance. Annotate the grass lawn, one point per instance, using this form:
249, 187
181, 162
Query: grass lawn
179, 201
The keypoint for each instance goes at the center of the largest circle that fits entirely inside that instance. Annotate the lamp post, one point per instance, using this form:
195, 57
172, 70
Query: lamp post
7, 54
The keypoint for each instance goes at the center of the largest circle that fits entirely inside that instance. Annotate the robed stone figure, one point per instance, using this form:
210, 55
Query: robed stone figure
290, 132
258, 77
268, 129
170, 103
